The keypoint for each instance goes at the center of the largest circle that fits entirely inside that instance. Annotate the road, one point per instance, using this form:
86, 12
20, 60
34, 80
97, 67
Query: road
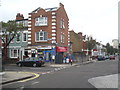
73, 77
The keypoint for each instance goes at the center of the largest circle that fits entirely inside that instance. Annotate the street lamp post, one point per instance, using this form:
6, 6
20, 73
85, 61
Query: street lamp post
70, 48
100, 48
0, 47
119, 52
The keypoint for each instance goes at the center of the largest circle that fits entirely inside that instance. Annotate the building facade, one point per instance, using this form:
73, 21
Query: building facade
17, 47
48, 33
115, 43
77, 39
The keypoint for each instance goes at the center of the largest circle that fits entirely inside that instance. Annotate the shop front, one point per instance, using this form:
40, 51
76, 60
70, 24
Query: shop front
49, 53
60, 52
45, 52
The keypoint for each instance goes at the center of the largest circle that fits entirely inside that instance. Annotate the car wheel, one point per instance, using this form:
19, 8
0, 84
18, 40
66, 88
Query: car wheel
19, 64
40, 65
34, 64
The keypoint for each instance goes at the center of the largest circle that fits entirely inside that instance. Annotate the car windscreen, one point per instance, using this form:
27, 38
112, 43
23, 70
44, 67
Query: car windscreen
27, 59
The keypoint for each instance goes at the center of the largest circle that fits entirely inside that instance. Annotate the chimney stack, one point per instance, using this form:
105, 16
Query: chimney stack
19, 16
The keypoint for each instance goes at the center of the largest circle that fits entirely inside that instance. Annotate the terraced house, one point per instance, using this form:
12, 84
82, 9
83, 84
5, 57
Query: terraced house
19, 44
48, 33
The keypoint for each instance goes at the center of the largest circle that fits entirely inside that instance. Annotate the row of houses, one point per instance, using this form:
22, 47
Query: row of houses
46, 34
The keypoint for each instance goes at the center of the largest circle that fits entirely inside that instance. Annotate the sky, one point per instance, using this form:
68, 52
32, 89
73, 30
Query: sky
96, 18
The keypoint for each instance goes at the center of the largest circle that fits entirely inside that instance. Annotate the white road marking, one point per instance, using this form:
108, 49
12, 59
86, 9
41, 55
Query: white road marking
35, 68
34, 83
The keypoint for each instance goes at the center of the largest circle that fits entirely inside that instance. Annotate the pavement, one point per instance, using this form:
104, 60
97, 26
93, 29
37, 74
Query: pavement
110, 81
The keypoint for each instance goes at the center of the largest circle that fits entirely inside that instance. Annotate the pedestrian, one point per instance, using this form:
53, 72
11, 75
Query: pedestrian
71, 61
53, 58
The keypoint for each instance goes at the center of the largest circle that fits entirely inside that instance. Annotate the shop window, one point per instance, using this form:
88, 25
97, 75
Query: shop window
26, 53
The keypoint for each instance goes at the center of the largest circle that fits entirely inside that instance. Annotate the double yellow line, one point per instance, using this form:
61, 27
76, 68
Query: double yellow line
35, 76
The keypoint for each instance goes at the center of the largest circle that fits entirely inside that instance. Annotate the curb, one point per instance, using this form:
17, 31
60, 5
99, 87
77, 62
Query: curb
83, 63
6, 82
2, 73
107, 81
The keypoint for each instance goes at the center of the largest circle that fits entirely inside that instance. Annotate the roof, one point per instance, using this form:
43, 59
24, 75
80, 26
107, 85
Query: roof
36, 10
46, 9
51, 9
23, 20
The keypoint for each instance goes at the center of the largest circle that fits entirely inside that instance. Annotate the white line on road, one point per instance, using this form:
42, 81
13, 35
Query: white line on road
35, 68
34, 83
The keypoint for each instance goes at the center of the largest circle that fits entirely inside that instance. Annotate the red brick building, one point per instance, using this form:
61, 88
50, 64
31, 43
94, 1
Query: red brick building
77, 39
48, 33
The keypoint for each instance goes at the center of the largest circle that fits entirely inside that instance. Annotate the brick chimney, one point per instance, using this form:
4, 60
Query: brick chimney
19, 16
61, 5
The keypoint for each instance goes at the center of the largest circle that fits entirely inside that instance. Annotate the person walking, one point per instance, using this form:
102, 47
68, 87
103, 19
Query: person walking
71, 61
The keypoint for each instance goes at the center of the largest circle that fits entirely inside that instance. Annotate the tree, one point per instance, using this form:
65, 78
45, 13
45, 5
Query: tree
91, 44
110, 49
9, 31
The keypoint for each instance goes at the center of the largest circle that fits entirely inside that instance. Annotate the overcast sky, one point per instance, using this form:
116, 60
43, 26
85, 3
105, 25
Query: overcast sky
98, 18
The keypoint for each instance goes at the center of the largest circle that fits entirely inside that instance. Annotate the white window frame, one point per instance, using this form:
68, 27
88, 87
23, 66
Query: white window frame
62, 24
41, 36
62, 38
41, 21
13, 53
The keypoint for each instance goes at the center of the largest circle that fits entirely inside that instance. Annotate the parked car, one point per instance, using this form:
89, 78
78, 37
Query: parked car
101, 58
106, 57
33, 61
111, 57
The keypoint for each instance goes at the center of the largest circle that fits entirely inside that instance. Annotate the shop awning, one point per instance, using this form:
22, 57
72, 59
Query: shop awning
61, 49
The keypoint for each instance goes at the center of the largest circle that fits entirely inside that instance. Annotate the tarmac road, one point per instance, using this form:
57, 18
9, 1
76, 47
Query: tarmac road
73, 77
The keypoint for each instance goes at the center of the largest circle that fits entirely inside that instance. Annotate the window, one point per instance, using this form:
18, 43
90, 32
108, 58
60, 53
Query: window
26, 53
14, 53
62, 23
41, 21
24, 37
12, 41
18, 38
41, 36
25, 23
62, 38
19, 23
